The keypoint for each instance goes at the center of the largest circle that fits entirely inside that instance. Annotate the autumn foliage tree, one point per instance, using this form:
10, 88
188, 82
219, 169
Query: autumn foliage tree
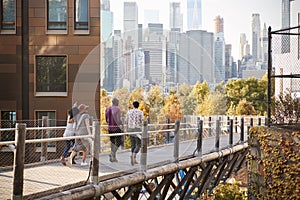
172, 106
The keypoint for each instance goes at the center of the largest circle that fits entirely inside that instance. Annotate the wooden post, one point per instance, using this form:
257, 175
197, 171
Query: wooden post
144, 147
230, 133
199, 139
44, 145
242, 130
19, 157
217, 140
176, 141
96, 150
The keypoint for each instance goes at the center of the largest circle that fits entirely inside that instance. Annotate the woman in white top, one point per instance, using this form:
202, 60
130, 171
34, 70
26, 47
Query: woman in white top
69, 131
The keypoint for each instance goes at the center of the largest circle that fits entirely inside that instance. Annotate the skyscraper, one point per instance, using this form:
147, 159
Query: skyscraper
219, 24
219, 46
256, 45
194, 14
175, 16
285, 23
243, 43
130, 23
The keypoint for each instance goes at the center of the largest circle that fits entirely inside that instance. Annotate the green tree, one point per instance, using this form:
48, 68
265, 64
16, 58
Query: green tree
251, 89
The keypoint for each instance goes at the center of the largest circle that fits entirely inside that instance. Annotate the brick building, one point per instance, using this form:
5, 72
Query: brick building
49, 58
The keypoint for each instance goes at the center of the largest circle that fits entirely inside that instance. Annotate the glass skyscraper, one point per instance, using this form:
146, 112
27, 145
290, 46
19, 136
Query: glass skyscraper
194, 14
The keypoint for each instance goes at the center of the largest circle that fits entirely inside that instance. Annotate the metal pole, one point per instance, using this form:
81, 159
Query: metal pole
269, 76
19, 157
217, 140
251, 122
230, 133
209, 126
168, 132
259, 121
176, 141
242, 130
44, 145
184, 125
199, 140
96, 150
144, 147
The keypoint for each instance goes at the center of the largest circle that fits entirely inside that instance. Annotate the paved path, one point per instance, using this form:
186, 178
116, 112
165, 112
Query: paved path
51, 176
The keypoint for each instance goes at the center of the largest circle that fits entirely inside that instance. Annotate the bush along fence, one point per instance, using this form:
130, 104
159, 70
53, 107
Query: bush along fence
274, 163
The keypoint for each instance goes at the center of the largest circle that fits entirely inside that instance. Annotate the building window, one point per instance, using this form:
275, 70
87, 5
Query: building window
46, 119
8, 120
8, 15
57, 14
81, 14
51, 75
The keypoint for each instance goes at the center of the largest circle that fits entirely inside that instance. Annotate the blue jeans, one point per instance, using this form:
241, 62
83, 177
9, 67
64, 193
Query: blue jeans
69, 144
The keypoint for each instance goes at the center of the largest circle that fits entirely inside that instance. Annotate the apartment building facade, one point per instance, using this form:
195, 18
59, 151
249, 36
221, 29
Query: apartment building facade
49, 58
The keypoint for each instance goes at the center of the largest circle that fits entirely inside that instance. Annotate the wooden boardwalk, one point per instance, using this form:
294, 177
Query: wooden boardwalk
48, 177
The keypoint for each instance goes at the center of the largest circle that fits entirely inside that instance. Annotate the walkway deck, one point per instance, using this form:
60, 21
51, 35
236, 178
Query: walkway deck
55, 177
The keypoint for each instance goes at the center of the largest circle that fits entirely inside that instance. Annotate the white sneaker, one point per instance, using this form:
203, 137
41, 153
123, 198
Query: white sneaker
84, 164
69, 162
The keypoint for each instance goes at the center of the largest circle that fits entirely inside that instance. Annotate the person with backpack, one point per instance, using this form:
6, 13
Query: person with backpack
82, 127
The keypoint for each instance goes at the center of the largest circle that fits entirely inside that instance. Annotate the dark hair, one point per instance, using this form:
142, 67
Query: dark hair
136, 104
73, 112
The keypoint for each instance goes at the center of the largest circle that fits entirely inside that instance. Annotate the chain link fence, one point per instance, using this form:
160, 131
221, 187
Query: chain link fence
284, 76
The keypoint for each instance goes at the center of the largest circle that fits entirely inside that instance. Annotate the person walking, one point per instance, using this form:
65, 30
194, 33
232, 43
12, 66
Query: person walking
69, 131
82, 127
114, 122
134, 119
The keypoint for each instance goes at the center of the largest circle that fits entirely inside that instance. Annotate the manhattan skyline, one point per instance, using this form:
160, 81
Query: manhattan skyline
237, 15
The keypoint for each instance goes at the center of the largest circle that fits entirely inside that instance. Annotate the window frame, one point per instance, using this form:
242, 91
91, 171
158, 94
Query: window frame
50, 94
8, 31
81, 31
56, 31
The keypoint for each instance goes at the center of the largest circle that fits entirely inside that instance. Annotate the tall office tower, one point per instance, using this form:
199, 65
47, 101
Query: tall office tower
176, 17
154, 46
196, 49
219, 46
256, 45
140, 35
130, 40
172, 55
107, 21
219, 24
219, 57
228, 62
194, 14
285, 23
264, 41
105, 5
130, 22
117, 62
243, 42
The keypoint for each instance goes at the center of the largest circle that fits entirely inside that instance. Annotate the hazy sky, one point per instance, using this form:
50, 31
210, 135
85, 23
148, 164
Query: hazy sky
236, 14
